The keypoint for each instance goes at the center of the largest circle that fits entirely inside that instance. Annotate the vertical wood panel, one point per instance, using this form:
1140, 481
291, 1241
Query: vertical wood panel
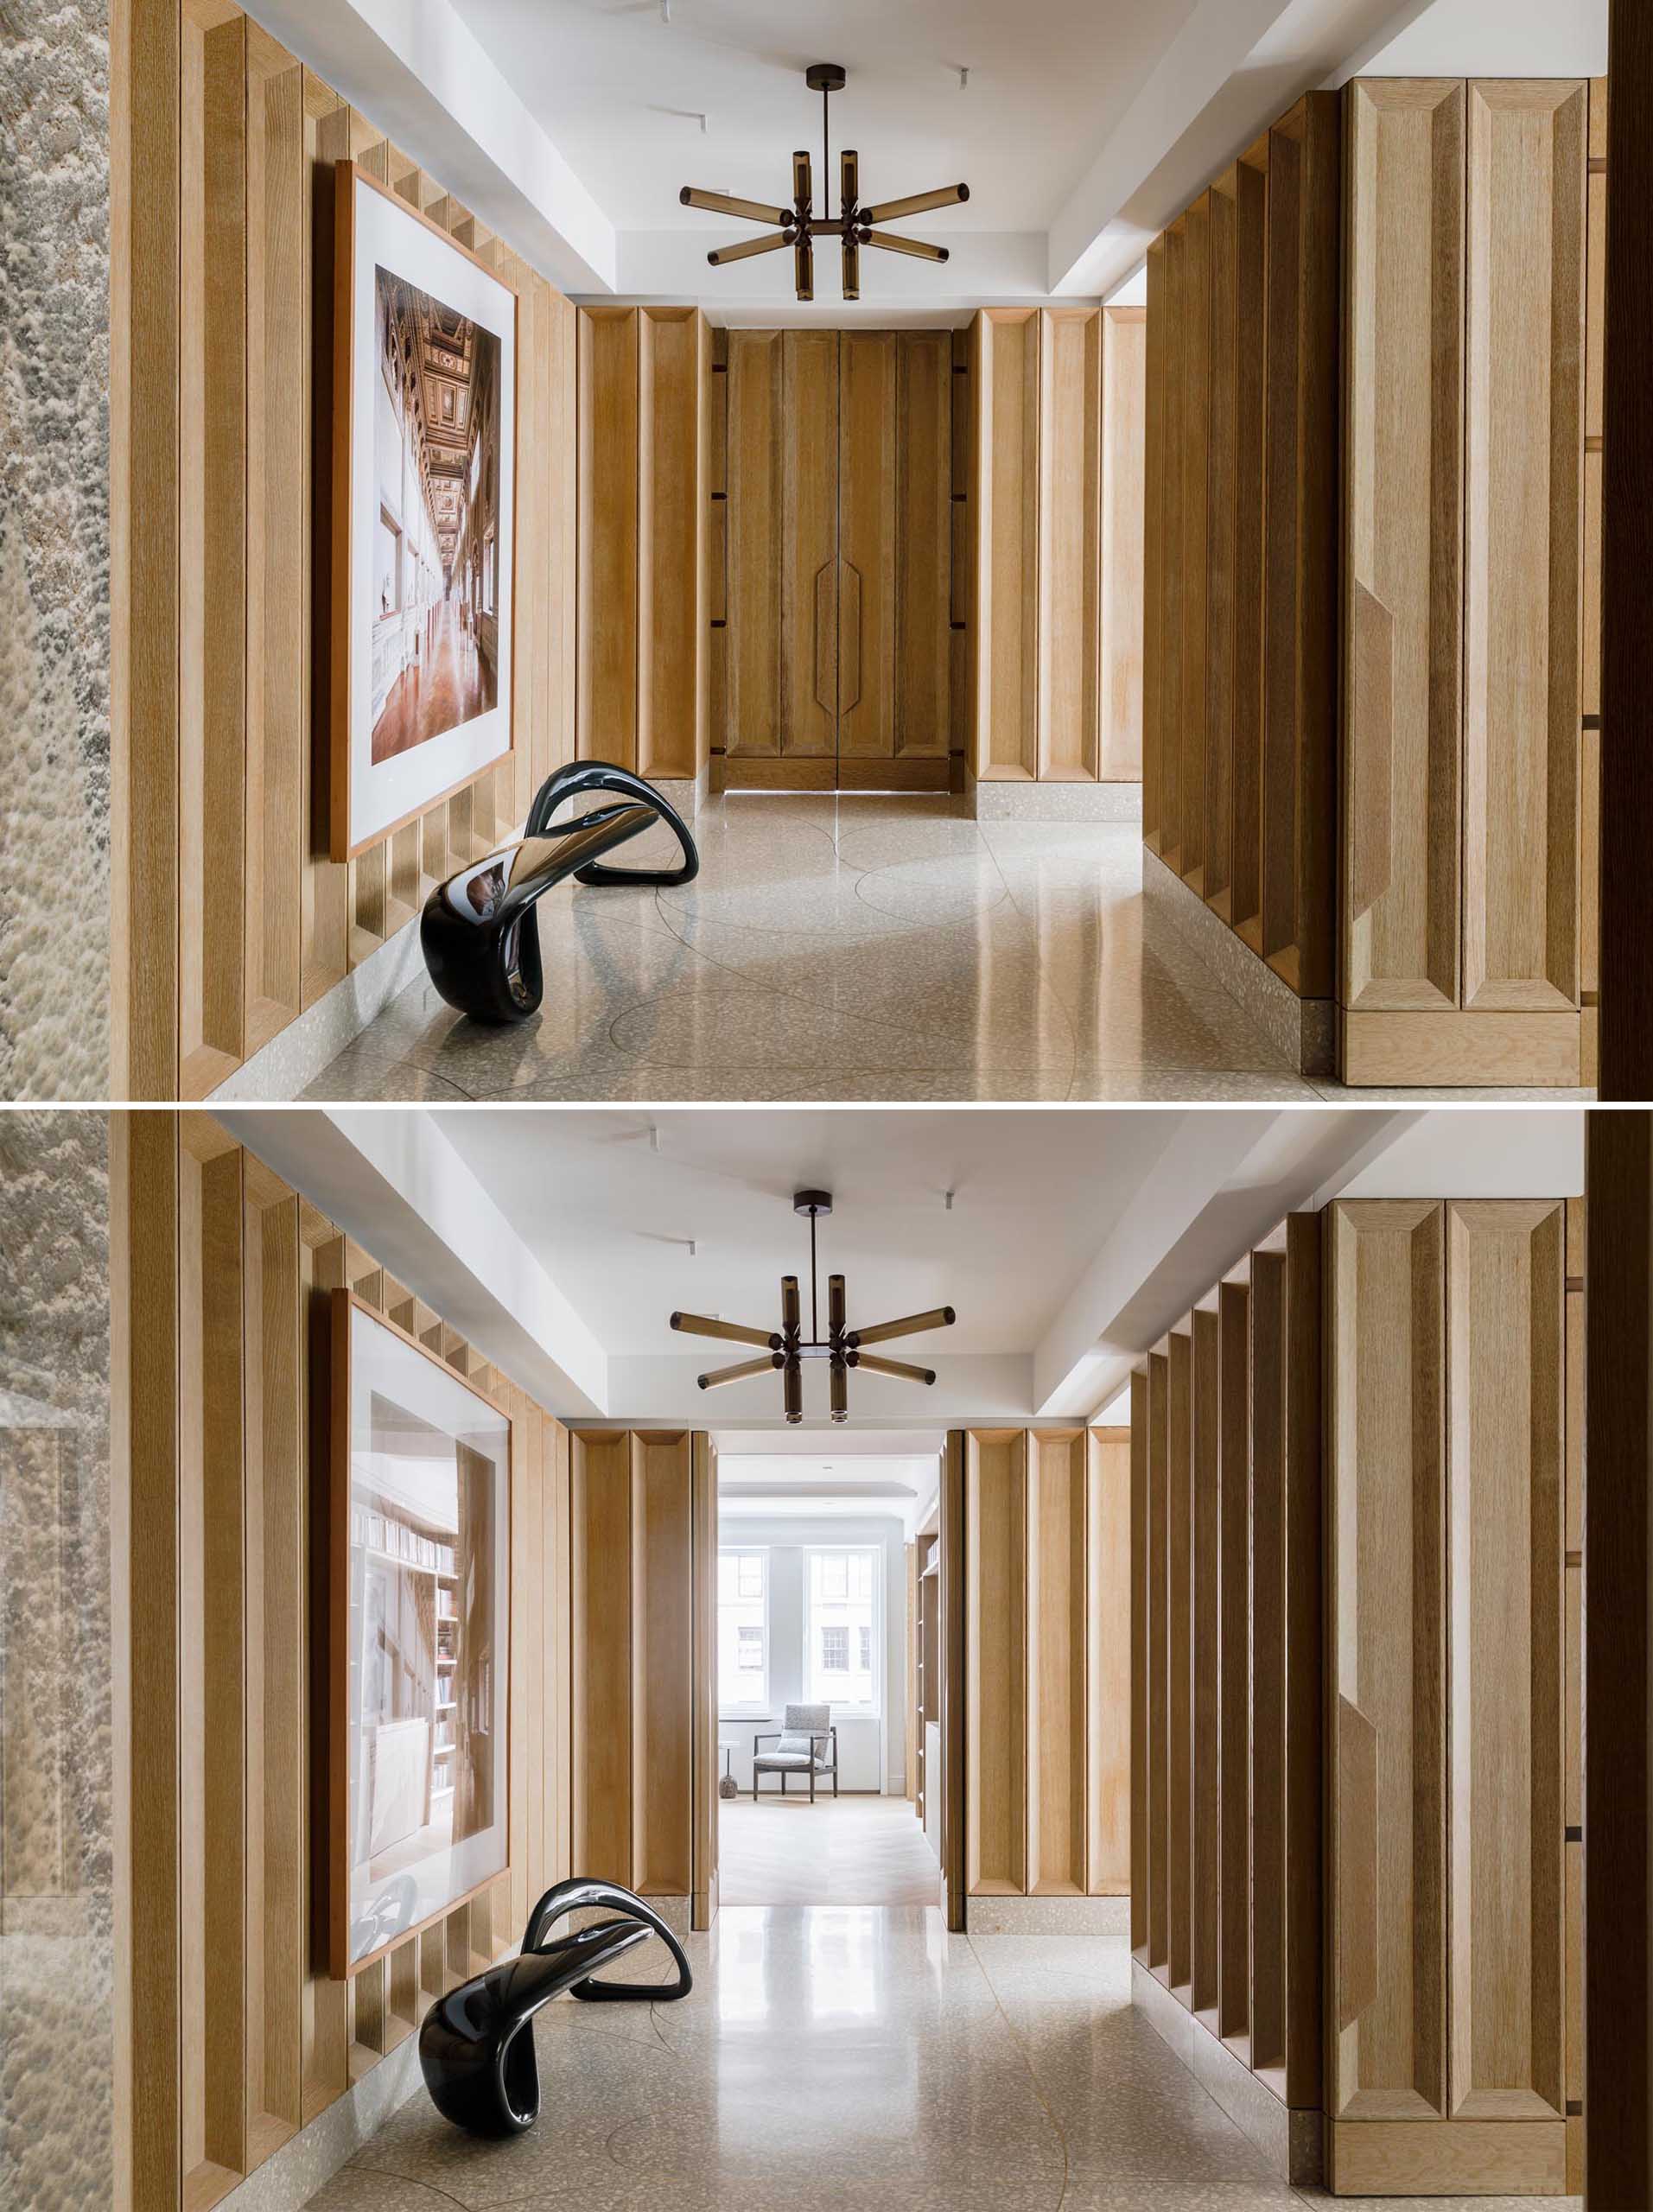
670, 621
211, 1657
277, 438
1524, 410
1057, 1735
1159, 1665
1195, 449
1234, 1663
1179, 1871
662, 1716
1222, 541
323, 2028
1069, 543
703, 1568
1141, 1587
1206, 1421
1403, 555
278, 1687
809, 553
995, 1487
1110, 1628
1124, 370
1299, 558
1269, 1876
1155, 463
924, 583
1171, 583
1504, 1284
754, 638
868, 449
145, 412
609, 417
600, 1686
212, 585
1007, 591
1304, 1614
1250, 339
1387, 1643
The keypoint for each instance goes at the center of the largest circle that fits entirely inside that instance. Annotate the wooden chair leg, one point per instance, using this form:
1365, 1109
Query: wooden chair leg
782, 1781
811, 1781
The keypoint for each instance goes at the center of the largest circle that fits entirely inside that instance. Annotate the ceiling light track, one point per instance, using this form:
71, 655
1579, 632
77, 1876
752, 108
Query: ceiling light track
798, 225
785, 1350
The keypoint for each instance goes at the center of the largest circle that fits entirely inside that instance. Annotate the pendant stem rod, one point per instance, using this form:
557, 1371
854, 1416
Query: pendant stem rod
815, 1316
826, 186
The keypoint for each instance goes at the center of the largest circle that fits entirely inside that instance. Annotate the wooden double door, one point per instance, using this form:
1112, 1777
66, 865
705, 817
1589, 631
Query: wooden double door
838, 602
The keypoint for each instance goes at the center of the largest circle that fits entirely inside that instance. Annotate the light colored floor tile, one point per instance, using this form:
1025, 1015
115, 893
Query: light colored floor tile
859, 948
852, 1850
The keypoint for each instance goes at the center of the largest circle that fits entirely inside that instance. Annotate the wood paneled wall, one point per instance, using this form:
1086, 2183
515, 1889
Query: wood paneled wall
1468, 886
1226, 1690
1452, 1653
1047, 1629
240, 2037
643, 1691
1057, 456
229, 918
1240, 619
1380, 1594
645, 648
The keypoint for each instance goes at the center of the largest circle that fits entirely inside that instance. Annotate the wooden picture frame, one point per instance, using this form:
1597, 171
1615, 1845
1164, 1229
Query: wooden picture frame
351, 1945
422, 687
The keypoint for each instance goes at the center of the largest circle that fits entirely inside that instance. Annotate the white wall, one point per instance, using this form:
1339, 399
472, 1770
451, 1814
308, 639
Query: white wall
871, 1753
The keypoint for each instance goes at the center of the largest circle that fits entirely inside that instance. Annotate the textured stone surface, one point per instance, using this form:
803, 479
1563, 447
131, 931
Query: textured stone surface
55, 788
55, 1835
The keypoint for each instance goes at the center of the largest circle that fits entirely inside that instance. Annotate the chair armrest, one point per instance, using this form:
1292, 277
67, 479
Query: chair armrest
769, 1736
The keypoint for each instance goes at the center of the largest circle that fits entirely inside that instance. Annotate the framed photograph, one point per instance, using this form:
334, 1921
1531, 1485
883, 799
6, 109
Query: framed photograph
419, 1818
424, 493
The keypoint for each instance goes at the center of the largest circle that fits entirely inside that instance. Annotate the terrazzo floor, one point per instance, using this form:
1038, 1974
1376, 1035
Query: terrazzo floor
850, 2057
854, 949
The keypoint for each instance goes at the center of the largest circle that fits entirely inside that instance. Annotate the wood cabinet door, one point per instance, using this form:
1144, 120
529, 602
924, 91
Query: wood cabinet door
1524, 385
922, 643
752, 642
867, 450
1387, 1636
1403, 557
808, 551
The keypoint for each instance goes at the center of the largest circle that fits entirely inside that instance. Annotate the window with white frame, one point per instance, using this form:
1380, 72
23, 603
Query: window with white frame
841, 1638
742, 1631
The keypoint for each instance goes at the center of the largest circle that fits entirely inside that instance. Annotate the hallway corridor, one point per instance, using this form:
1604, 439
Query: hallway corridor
854, 2059
452, 682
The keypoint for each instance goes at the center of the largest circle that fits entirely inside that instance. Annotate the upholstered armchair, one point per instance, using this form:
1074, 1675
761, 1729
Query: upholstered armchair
801, 1747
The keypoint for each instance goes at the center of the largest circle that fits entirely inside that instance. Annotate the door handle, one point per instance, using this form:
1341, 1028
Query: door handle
848, 637
826, 643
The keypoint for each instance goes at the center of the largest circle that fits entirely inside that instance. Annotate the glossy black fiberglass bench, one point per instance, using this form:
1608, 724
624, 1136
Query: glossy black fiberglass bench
476, 2047
479, 930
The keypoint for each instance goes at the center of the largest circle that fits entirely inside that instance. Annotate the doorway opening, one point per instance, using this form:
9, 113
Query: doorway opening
818, 1738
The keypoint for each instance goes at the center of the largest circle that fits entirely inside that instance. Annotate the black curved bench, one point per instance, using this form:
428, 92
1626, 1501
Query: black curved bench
479, 929
478, 2062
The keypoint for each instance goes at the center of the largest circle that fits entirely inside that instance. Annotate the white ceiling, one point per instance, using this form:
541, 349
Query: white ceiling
611, 1217
619, 91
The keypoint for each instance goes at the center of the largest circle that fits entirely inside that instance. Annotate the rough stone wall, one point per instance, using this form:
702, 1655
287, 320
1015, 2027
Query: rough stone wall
55, 549
57, 1942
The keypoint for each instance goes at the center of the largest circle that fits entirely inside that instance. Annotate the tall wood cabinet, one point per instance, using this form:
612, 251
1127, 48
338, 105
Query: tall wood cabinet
1447, 1679
1465, 384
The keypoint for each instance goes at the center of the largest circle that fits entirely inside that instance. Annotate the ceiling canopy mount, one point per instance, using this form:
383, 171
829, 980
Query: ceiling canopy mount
798, 225
785, 1350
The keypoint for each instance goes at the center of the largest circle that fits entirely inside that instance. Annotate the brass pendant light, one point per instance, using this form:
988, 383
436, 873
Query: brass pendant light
785, 1349
854, 226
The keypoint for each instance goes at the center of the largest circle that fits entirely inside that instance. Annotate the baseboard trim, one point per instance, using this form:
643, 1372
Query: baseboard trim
296, 1055
1290, 2138
990, 1915
1019, 801
1304, 1030
1426, 1048
290, 2176
1447, 2157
